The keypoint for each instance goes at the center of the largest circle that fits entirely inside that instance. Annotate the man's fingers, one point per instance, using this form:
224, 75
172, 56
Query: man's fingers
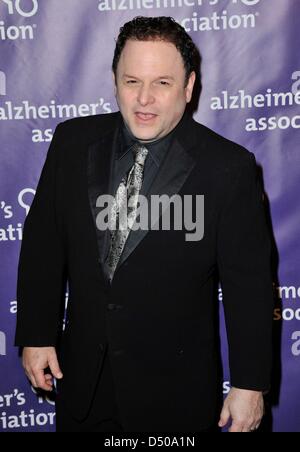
49, 379
243, 427
36, 383
36, 361
41, 381
236, 427
54, 367
31, 379
254, 427
224, 417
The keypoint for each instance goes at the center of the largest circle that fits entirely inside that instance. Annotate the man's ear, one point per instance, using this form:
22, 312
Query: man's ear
114, 82
190, 86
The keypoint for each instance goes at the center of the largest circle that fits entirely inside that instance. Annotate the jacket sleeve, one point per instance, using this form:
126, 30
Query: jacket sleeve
41, 278
245, 272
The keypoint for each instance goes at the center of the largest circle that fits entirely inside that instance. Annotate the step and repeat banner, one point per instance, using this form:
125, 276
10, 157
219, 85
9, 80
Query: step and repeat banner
55, 64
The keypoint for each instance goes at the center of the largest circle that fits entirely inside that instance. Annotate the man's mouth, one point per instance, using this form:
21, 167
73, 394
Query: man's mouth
145, 116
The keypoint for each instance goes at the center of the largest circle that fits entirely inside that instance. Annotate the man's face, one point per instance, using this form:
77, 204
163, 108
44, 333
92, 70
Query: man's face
149, 88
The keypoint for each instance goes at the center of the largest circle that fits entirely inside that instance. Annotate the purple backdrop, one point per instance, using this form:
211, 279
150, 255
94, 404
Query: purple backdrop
55, 60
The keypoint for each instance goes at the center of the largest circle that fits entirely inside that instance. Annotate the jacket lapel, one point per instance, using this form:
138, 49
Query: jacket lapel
99, 176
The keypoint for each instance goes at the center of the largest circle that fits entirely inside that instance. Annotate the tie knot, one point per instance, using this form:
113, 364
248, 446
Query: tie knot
140, 153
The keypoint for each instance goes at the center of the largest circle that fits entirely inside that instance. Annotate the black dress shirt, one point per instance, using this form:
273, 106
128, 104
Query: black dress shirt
124, 159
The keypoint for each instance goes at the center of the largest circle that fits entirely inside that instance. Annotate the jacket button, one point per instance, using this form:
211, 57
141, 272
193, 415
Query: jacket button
113, 307
180, 352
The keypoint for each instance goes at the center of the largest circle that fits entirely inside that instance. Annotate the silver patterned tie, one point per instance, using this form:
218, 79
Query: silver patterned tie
124, 209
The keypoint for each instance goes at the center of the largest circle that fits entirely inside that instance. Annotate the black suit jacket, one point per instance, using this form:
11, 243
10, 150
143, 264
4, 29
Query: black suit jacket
158, 315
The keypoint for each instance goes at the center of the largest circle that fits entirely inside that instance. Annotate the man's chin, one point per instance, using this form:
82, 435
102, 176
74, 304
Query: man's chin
144, 137
149, 140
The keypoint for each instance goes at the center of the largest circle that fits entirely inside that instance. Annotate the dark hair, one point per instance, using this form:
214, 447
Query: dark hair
154, 29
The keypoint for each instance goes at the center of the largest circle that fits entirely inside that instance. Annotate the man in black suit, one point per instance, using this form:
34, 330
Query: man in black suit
139, 351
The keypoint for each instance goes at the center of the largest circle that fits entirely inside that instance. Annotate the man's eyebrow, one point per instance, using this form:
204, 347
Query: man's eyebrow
128, 76
169, 77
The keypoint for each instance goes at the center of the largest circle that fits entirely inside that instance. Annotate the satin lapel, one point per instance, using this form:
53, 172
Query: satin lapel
99, 175
172, 174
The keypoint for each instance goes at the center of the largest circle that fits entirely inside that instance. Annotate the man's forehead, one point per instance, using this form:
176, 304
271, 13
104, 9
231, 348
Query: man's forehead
148, 52
150, 43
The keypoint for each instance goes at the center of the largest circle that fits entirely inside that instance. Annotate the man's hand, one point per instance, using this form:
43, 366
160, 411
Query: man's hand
35, 361
246, 409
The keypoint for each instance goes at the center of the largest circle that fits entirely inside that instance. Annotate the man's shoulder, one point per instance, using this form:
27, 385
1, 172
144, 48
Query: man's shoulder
216, 153
92, 120
88, 127
218, 149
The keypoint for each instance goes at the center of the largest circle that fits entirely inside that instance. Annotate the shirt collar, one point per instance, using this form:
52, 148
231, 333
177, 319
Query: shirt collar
157, 148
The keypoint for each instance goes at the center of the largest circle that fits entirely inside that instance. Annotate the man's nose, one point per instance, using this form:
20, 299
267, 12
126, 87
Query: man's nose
145, 95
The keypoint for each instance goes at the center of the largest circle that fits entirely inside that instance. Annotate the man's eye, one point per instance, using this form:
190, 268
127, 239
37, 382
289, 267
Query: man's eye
131, 81
164, 82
